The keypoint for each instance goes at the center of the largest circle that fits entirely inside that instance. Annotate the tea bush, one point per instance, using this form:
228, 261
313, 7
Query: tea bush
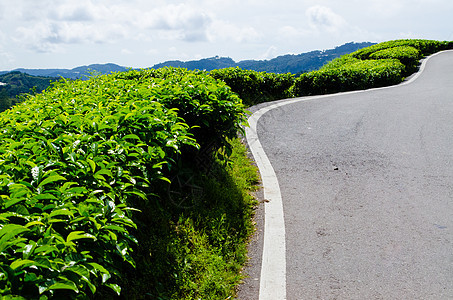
76, 159
255, 87
425, 47
407, 55
207, 105
379, 65
352, 75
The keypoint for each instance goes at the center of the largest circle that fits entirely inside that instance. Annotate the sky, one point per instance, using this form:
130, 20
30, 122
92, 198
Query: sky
140, 33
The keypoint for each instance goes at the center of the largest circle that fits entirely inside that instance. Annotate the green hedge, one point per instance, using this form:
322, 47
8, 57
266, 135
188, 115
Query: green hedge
426, 47
75, 159
255, 87
207, 105
354, 76
375, 66
407, 55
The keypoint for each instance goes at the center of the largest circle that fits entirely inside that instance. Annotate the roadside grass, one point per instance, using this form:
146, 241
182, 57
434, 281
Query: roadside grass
198, 252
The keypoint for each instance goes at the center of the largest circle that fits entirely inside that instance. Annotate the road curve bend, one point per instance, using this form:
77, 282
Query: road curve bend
359, 191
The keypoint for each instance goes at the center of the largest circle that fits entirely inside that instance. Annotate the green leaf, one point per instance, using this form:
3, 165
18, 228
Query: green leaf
46, 249
13, 201
45, 197
131, 136
50, 179
115, 228
116, 288
99, 268
92, 164
61, 212
80, 270
77, 235
8, 232
104, 172
23, 263
33, 223
67, 285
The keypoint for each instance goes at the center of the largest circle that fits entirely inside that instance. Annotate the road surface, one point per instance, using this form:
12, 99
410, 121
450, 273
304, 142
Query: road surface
366, 182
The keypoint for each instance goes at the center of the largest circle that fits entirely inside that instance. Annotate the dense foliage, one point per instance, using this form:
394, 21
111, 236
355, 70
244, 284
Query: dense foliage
353, 76
378, 65
255, 87
76, 161
407, 55
207, 105
426, 47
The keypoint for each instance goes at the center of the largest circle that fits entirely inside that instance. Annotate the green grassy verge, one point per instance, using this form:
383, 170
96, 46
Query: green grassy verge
197, 252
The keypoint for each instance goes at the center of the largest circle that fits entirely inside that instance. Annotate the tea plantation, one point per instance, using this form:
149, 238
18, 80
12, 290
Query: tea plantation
135, 185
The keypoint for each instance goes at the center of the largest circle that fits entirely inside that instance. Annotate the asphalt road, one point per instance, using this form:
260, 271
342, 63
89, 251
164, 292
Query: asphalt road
366, 182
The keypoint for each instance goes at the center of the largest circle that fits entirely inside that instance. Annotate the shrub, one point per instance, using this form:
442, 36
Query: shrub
426, 47
340, 62
407, 55
75, 159
255, 87
208, 106
357, 75
382, 64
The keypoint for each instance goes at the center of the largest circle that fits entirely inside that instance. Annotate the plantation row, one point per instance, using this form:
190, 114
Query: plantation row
379, 65
77, 160
87, 167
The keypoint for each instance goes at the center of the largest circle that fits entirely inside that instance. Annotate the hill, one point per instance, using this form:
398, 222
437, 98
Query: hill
282, 64
15, 83
292, 63
75, 73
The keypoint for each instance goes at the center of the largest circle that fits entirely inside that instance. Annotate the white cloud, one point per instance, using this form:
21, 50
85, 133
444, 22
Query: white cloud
70, 22
388, 8
5, 57
324, 19
76, 11
270, 53
90, 30
180, 22
126, 51
226, 31
50, 36
291, 33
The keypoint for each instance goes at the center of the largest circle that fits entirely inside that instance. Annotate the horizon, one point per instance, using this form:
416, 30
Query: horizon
216, 56
64, 34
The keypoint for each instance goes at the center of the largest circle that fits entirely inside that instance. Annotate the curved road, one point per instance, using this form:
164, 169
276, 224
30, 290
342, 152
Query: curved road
366, 183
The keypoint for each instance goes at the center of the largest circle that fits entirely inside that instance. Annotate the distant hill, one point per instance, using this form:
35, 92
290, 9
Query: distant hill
295, 64
23, 80
15, 83
82, 72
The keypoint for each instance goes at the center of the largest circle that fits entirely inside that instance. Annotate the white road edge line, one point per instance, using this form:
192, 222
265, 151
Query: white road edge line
273, 266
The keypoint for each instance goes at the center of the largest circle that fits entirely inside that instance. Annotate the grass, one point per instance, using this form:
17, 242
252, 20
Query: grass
198, 251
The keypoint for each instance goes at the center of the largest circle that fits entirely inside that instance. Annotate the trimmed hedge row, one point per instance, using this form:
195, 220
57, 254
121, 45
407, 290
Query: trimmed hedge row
75, 159
207, 105
355, 76
407, 55
378, 65
426, 47
255, 87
